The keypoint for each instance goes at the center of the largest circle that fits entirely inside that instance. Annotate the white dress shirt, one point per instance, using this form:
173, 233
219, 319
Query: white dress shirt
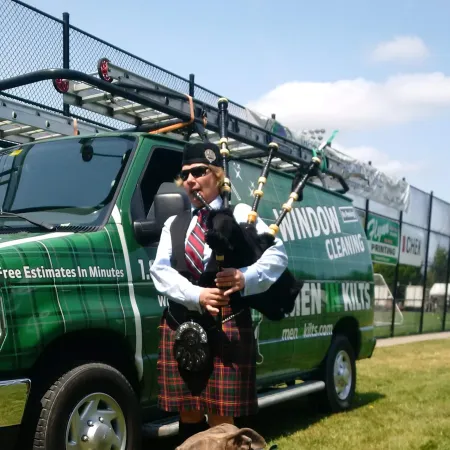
258, 276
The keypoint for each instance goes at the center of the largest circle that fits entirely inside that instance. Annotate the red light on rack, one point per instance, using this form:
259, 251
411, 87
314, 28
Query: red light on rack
103, 69
61, 85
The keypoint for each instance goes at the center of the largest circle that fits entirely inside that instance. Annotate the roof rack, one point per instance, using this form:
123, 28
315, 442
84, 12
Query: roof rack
141, 104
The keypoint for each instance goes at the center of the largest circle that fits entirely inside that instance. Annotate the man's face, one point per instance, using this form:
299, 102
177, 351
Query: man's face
197, 177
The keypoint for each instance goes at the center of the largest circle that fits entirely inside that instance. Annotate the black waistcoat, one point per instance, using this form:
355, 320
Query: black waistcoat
178, 231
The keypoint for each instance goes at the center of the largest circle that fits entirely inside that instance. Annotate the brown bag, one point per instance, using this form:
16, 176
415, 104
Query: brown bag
224, 437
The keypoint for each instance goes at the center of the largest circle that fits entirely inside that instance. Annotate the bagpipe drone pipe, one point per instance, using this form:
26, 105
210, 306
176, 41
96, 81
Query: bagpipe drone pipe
239, 245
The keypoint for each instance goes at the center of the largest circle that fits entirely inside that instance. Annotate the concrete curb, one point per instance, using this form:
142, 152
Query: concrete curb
415, 338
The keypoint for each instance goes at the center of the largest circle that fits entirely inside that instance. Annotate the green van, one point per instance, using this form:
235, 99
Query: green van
79, 314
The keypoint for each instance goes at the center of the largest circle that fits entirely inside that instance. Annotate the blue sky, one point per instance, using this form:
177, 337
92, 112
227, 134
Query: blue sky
378, 71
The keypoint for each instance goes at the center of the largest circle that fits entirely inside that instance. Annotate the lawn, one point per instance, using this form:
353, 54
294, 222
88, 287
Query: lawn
11, 404
407, 322
402, 403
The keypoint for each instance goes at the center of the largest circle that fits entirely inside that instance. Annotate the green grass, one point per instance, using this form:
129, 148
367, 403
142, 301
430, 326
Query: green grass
402, 403
11, 404
408, 323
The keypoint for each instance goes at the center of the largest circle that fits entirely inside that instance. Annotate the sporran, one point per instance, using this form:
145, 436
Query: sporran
191, 347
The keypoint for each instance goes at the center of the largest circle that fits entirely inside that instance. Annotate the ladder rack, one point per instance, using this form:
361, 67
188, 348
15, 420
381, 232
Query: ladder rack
147, 105
142, 104
246, 140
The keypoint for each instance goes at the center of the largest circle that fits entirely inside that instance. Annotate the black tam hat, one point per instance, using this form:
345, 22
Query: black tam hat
201, 152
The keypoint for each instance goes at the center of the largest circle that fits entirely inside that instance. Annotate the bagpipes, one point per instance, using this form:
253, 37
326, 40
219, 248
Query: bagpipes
239, 245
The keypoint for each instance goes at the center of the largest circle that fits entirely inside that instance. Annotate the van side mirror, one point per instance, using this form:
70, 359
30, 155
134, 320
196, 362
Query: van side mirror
170, 200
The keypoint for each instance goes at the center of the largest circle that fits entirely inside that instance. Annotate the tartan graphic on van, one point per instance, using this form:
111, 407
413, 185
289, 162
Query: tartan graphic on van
59, 283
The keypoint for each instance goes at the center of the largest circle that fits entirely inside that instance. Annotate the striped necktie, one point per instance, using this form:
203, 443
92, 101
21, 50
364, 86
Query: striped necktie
195, 246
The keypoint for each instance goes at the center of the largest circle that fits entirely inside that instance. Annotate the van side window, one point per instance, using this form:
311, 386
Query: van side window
163, 166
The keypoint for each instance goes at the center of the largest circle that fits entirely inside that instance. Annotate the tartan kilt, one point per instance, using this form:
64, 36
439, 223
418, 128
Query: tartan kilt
228, 388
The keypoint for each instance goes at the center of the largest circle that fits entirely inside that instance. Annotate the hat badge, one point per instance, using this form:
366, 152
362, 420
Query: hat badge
210, 155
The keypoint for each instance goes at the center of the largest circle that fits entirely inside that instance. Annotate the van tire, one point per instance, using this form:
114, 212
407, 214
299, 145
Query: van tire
89, 384
341, 355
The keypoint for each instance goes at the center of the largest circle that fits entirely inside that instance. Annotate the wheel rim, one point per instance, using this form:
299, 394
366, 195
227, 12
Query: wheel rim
96, 423
342, 375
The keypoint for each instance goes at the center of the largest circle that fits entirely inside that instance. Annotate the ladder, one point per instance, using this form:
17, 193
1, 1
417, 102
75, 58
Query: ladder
166, 106
141, 104
20, 123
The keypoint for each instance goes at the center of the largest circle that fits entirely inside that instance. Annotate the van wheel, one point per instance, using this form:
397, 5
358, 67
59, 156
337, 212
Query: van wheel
92, 406
339, 375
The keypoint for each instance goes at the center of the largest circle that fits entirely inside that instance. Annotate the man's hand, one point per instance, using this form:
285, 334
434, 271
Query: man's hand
212, 299
230, 278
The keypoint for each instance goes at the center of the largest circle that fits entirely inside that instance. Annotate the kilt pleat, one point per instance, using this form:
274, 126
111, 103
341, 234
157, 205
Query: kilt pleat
228, 388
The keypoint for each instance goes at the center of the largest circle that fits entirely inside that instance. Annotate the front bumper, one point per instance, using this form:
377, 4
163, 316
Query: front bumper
13, 399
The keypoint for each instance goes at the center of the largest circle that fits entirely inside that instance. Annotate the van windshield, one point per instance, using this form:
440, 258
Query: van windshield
66, 183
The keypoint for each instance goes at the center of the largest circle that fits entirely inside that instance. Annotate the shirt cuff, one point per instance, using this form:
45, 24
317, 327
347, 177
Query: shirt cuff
193, 298
251, 277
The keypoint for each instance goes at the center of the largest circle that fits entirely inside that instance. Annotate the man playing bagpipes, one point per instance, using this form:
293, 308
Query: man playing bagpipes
218, 377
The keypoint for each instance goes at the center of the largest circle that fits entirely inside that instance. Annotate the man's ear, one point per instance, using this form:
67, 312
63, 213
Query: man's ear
246, 439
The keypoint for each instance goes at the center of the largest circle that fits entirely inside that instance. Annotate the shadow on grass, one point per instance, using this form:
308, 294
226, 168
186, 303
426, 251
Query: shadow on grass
279, 420
297, 415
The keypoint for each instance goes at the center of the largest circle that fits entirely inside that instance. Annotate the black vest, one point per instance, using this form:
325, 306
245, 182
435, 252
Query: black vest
178, 231
275, 303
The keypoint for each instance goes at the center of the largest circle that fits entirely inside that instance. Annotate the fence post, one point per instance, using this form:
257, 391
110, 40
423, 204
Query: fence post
191, 84
446, 288
66, 53
366, 211
425, 273
191, 93
395, 293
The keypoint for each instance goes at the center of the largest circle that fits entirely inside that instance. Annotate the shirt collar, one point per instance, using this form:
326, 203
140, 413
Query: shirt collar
215, 204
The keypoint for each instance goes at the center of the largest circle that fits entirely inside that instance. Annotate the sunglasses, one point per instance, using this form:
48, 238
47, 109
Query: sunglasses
196, 172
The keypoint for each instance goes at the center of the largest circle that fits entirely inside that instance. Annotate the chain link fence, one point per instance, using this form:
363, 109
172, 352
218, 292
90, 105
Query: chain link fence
39, 44
86, 61
411, 292
29, 41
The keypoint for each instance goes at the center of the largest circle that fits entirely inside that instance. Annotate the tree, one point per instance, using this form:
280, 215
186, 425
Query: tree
437, 270
387, 271
406, 275
436, 273
409, 274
